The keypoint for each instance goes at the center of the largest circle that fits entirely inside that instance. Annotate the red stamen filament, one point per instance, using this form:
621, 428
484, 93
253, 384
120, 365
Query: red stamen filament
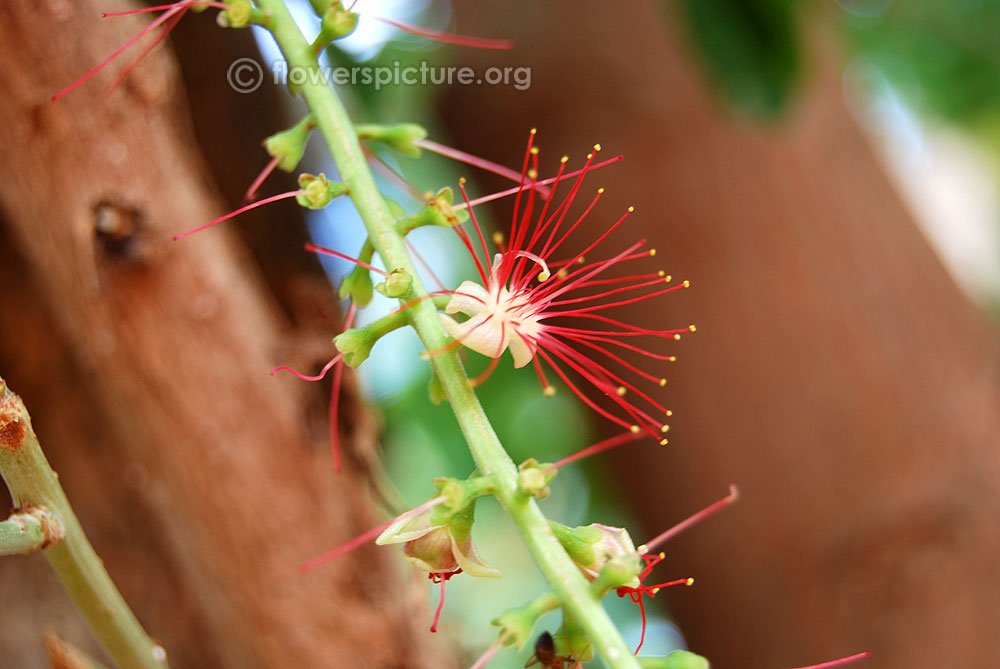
158, 8
253, 205
599, 447
142, 33
543, 182
251, 193
733, 495
838, 663
448, 38
481, 163
443, 580
370, 535
306, 377
337, 254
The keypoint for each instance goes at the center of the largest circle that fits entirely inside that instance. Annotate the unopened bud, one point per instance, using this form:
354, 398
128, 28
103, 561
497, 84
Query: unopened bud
318, 191
289, 145
397, 284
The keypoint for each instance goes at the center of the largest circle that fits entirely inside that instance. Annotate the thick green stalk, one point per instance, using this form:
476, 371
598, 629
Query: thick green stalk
33, 484
492, 460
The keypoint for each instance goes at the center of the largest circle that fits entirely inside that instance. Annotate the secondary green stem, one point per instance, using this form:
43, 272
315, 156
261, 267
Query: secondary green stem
33, 484
28, 530
492, 460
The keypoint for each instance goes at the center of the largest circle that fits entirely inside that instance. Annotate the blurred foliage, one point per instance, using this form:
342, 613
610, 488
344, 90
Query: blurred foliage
751, 49
943, 56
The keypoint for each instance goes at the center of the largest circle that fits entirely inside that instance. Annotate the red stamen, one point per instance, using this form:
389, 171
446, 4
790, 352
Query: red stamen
158, 8
543, 182
443, 580
481, 163
448, 38
334, 409
171, 24
733, 495
248, 207
599, 447
362, 539
306, 377
489, 653
838, 663
100, 66
338, 254
251, 193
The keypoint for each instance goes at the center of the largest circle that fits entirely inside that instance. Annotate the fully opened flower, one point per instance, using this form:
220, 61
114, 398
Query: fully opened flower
548, 306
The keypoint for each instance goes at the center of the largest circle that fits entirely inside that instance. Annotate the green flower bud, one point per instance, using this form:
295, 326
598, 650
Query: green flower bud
358, 286
338, 22
401, 137
397, 284
318, 191
356, 345
289, 145
534, 478
239, 14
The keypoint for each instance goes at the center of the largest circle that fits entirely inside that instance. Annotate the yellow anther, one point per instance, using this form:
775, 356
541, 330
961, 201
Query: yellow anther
669, 278
534, 150
532, 173
631, 209
663, 382
692, 328
562, 273
665, 428
652, 252
461, 180
687, 284
672, 358
634, 429
597, 147
690, 581
564, 159
498, 238
654, 591
543, 276
677, 337
600, 191
669, 412
663, 556
661, 273
642, 550
621, 391
580, 260
534, 131
549, 391
590, 156
663, 442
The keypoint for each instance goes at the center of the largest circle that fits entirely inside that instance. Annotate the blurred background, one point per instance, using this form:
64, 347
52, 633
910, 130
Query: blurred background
824, 173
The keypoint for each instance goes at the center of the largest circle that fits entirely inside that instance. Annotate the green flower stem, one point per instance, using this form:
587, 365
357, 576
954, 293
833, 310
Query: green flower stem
331, 118
27, 531
33, 484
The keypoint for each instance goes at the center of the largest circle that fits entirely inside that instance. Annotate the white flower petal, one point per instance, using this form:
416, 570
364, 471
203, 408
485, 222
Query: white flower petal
470, 299
470, 562
407, 529
484, 333
521, 349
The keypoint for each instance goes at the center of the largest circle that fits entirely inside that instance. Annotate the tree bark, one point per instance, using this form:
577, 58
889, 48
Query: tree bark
202, 480
837, 374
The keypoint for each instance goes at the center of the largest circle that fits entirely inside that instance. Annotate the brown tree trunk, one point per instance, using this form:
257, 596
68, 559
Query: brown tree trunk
837, 375
203, 481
